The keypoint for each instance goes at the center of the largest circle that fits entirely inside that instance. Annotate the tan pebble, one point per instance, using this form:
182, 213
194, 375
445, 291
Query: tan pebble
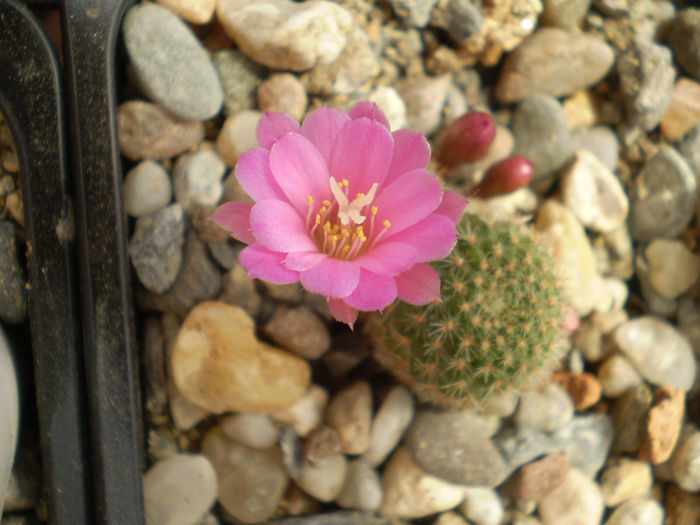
10, 160
663, 425
298, 330
350, 413
537, 479
580, 110
238, 135
283, 92
683, 113
584, 389
624, 479
218, 363
195, 11
321, 444
15, 206
305, 414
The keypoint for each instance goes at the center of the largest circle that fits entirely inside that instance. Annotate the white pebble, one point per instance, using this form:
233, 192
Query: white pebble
673, 268
254, 430
198, 179
147, 189
483, 506
362, 489
237, 135
391, 103
617, 375
305, 414
390, 423
325, 480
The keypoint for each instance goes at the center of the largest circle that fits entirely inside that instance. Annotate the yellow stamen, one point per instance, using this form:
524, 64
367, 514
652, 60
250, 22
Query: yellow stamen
327, 203
345, 232
323, 210
374, 210
345, 182
386, 224
327, 227
346, 249
359, 195
309, 199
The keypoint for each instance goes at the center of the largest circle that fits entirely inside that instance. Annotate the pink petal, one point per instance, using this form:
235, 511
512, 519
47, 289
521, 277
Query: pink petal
342, 312
419, 285
278, 226
388, 258
322, 126
374, 292
303, 261
331, 278
264, 264
300, 171
452, 205
411, 151
235, 217
434, 237
361, 155
408, 199
369, 110
274, 125
253, 172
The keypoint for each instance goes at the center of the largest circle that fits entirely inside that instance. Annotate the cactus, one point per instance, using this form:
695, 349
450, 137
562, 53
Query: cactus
496, 328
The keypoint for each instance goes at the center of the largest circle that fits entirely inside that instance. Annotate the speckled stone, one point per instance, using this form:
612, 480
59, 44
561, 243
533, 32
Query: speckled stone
240, 77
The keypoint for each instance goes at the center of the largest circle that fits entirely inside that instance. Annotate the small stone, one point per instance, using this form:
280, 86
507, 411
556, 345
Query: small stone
170, 63
566, 14
683, 114
586, 440
179, 489
594, 193
251, 482
147, 189
155, 248
662, 197
195, 11
286, 35
13, 291
602, 142
581, 61
646, 81
659, 351
547, 409
521, 445
322, 443
392, 418
424, 98
147, 131
238, 290
576, 500
624, 479
683, 34
197, 179
589, 337
689, 147
460, 18
362, 489
283, 92
541, 134
219, 364
414, 12
240, 77
391, 104
15, 206
630, 413
238, 135
409, 492
306, 413
673, 268
482, 506
537, 479
10, 160
350, 414
324, 480
252, 430
450, 518
583, 388
685, 462
637, 512
617, 375
299, 330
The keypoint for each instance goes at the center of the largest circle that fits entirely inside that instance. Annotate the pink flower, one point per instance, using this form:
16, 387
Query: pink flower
345, 207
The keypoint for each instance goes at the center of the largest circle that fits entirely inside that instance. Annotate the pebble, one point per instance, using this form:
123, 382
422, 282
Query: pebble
147, 131
414, 12
482, 506
617, 375
589, 337
456, 446
662, 197
689, 147
285, 93
547, 409
542, 134
195, 11
238, 290
685, 462
673, 268
147, 189
252, 430
581, 61
683, 114
286, 35
252, 482
197, 179
170, 63
307, 413
450, 518
656, 303
409, 492
647, 76
683, 35
566, 14
624, 479
659, 351
586, 440
298, 330
460, 18
237, 135
391, 104
630, 412
535, 480
424, 98
15, 206
362, 489
601, 141
389, 424
594, 193
350, 414
637, 512
155, 248
179, 489
240, 77
324, 480
218, 363
13, 290
576, 500
322, 443
338, 518
583, 388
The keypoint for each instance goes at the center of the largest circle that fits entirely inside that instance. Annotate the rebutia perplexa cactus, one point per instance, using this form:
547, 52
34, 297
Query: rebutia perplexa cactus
496, 329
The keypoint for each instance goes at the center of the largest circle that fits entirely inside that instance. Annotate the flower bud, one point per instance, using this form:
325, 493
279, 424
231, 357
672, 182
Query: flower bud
508, 175
466, 139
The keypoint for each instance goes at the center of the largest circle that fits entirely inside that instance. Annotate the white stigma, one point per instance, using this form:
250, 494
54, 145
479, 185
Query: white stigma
350, 211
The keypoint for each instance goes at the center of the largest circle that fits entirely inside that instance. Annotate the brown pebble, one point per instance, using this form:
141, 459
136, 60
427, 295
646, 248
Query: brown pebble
299, 330
283, 92
536, 480
683, 113
322, 443
682, 507
584, 389
350, 413
663, 425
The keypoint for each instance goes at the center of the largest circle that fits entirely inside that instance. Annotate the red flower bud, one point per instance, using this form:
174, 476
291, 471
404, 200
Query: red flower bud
508, 175
466, 139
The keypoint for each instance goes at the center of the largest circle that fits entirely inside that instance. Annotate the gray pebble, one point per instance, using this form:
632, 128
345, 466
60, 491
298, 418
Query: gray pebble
147, 189
155, 248
239, 76
13, 291
414, 12
424, 98
198, 179
683, 35
547, 409
362, 489
460, 18
586, 441
662, 198
520, 445
541, 134
602, 142
655, 302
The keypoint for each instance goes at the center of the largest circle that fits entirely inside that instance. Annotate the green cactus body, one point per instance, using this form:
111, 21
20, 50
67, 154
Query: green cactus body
496, 328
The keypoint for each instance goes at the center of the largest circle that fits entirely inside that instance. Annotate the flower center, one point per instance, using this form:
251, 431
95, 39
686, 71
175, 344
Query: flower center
337, 227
